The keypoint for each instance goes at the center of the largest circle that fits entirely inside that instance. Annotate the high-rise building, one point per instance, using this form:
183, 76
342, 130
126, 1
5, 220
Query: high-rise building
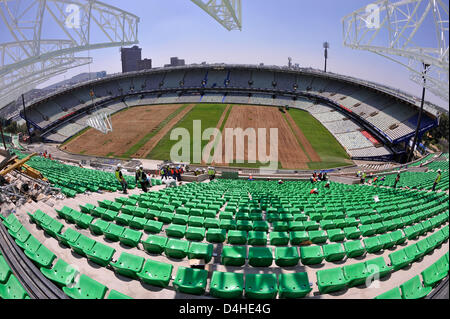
174, 61
131, 58
145, 64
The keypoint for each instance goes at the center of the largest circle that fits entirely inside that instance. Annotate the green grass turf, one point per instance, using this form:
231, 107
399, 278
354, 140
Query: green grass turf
148, 136
208, 114
327, 147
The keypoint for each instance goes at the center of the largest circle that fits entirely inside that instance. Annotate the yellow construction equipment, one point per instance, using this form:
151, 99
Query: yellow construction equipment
15, 163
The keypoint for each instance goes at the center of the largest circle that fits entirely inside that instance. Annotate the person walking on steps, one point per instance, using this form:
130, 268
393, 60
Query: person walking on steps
397, 179
163, 173
121, 179
141, 177
437, 180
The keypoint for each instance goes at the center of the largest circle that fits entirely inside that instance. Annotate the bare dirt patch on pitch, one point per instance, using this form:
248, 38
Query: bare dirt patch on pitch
129, 126
290, 153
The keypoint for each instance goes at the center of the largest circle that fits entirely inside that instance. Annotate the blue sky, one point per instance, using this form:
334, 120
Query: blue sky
272, 31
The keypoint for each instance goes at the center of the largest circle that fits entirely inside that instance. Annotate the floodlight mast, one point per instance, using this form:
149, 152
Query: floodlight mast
392, 30
326, 46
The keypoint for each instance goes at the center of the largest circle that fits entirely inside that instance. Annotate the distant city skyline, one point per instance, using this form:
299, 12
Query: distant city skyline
272, 32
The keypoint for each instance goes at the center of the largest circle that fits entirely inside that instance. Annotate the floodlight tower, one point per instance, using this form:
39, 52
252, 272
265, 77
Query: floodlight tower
326, 46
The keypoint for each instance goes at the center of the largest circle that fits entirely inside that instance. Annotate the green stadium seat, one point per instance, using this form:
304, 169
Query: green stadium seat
99, 227
333, 252
69, 237
227, 224
137, 222
261, 286
177, 231
436, 272
155, 244
113, 232
156, 273
84, 221
128, 265
12, 289
354, 248
195, 233
260, 256
298, 237
166, 217
176, 248
196, 221
372, 244
233, 255
153, 226
387, 241
413, 289
311, 255
82, 245
335, 235
130, 237
286, 256
100, 254
215, 235
21, 235
190, 281
61, 273
367, 230
114, 294
293, 285
257, 238
180, 219
86, 288
412, 251
279, 238
355, 274
237, 237
378, 266
43, 256
211, 223
391, 294
54, 228
226, 285
5, 270
352, 232
424, 246
31, 244
245, 225
331, 280
200, 251
398, 237
38, 214
318, 236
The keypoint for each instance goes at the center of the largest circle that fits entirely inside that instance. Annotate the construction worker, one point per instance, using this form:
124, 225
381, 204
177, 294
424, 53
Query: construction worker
314, 191
142, 178
438, 179
327, 185
397, 179
121, 179
363, 177
163, 173
211, 173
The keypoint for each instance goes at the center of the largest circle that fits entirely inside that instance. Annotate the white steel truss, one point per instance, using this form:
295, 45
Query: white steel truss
100, 121
409, 32
227, 12
44, 36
